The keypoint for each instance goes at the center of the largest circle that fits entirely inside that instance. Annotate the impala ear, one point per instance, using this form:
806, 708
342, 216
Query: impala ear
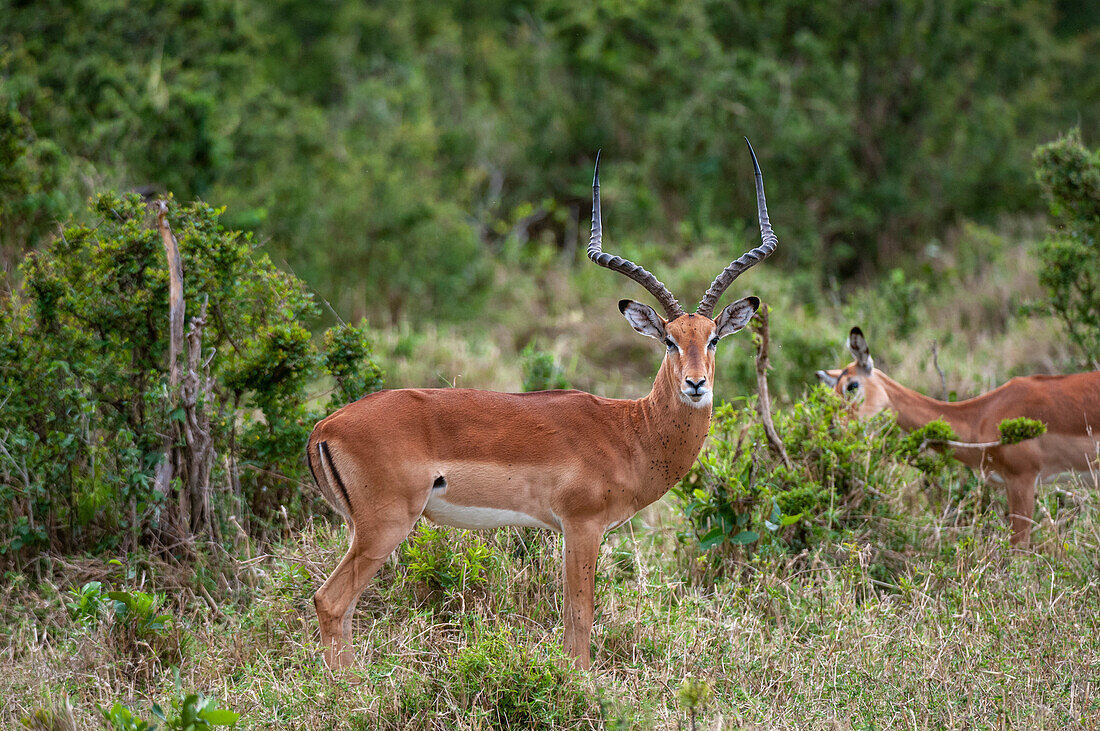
735, 316
829, 378
857, 344
643, 318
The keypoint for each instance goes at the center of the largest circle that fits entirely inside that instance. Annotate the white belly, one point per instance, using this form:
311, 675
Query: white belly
474, 516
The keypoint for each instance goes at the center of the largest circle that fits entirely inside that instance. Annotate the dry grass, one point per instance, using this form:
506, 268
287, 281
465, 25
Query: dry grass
962, 633
968, 635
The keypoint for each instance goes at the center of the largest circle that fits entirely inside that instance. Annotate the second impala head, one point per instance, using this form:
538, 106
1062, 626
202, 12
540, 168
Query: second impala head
690, 342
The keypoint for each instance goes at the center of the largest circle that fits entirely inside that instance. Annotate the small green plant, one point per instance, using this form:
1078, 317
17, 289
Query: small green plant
136, 613
86, 604
541, 370
432, 559
195, 712
934, 432
1014, 431
122, 718
694, 694
500, 682
190, 712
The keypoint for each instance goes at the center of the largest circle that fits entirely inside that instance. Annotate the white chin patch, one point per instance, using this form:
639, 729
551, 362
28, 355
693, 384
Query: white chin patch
701, 403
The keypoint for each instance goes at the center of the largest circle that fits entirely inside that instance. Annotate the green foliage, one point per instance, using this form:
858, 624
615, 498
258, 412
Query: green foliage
191, 712
739, 493
500, 682
1069, 269
348, 360
389, 150
541, 370
83, 351
195, 712
1014, 431
914, 447
693, 695
86, 604
431, 558
121, 718
934, 432
136, 614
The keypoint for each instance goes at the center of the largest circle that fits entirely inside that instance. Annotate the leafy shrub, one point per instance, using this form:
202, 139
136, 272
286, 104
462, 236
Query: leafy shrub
1069, 259
83, 350
1014, 431
842, 468
87, 603
432, 560
136, 614
541, 370
191, 712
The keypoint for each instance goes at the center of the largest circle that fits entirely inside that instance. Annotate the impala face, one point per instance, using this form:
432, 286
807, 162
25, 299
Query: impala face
690, 343
858, 382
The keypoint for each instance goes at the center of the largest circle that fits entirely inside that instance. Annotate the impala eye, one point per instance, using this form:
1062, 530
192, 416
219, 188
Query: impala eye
852, 386
713, 342
670, 345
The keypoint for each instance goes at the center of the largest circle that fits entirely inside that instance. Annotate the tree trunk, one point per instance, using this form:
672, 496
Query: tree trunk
764, 402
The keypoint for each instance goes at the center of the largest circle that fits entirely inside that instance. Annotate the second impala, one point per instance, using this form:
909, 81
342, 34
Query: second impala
1068, 405
566, 461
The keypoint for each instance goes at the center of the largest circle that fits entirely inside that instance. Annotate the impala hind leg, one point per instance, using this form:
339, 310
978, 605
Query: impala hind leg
335, 600
582, 547
1021, 506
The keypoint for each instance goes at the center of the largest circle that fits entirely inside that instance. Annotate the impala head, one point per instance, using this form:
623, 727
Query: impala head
858, 382
690, 340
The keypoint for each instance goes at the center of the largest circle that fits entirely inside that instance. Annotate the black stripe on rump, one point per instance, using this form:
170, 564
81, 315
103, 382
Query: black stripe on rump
335, 473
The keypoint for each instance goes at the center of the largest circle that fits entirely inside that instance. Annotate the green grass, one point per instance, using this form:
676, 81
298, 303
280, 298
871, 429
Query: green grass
962, 632
971, 634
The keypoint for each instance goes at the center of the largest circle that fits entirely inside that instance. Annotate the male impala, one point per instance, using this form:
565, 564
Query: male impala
567, 461
1068, 405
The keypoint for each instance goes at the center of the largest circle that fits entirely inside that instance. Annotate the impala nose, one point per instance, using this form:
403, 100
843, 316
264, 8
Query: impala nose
695, 390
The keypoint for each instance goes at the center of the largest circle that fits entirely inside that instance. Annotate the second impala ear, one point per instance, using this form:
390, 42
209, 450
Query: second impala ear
643, 318
857, 345
735, 316
829, 378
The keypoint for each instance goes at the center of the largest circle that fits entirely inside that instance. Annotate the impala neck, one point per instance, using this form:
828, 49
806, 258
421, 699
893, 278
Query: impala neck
914, 409
672, 432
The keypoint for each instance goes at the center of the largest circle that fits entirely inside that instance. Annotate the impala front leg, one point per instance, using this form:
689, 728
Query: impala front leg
1021, 506
582, 546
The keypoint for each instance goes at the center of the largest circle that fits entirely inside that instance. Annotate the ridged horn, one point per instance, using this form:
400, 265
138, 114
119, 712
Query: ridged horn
625, 266
748, 259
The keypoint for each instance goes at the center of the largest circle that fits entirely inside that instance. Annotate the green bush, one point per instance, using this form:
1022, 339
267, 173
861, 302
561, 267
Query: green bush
83, 361
432, 560
842, 470
1069, 259
1014, 431
541, 370
190, 712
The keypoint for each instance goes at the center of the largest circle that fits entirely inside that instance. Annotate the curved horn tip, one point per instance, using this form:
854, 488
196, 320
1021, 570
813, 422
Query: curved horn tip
596, 174
755, 164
